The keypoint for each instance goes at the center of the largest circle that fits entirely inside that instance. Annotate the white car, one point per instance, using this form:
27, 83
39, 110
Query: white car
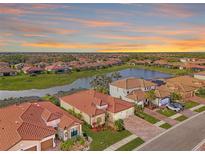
173, 107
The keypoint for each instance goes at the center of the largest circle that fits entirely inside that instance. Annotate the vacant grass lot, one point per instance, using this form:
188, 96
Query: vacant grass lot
131, 145
200, 109
190, 104
147, 117
181, 118
166, 112
104, 139
166, 126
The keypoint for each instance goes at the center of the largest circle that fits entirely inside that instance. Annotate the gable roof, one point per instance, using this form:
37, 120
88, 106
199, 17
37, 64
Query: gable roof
85, 101
130, 83
137, 95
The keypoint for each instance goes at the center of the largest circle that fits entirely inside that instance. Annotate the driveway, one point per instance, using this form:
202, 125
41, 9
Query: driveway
142, 128
183, 137
160, 116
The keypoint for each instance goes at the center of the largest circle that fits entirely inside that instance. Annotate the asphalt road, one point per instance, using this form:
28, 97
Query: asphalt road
184, 137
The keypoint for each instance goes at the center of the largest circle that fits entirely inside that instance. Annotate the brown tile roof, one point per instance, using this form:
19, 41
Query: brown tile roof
85, 101
137, 95
130, 83
162, 91
184, 83
201, 73
6, 70
25, 122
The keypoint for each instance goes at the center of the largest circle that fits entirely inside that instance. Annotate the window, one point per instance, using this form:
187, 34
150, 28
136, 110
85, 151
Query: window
74, 132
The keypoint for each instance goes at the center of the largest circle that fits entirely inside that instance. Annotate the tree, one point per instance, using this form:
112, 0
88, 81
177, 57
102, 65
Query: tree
116, 75
176, 96
119, 125
150, 95
201, 92
101, 83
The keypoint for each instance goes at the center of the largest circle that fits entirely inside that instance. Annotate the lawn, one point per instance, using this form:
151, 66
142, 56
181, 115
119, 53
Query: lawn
200, 109
190, 104
166, 126
166, 112
104, 139
147, 117
181, 118
131, 145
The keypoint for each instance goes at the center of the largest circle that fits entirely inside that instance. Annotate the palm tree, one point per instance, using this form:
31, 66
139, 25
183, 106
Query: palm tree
150, 95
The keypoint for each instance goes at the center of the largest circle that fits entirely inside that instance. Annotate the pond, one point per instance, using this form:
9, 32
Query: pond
82, 83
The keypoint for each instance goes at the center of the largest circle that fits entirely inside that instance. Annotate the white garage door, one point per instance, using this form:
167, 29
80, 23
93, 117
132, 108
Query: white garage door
164, 101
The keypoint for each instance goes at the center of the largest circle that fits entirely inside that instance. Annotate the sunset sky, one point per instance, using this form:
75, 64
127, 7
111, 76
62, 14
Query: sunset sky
102, 27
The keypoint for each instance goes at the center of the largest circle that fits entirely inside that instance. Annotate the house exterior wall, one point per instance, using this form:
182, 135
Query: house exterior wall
94, 119
26, 144
200, 77
121, 115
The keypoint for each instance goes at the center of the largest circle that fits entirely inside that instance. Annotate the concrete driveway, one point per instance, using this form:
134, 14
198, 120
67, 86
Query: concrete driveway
142, 128
183, 137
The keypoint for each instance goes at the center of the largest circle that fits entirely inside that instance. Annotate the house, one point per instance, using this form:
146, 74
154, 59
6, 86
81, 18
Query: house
4, 64
137, 96
162, 94
122, 88
185, 85
57, 68
93, 106
200, 75
33, 126
7, 71
32, 70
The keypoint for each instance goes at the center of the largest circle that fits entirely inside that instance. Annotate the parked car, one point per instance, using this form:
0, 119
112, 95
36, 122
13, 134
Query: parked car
175, 106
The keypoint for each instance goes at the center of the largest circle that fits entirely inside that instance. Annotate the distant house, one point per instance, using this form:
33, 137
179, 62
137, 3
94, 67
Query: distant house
57, 69
200, 75
7, 71
93, 107
4, 64
33, 126
32, 70
122, 88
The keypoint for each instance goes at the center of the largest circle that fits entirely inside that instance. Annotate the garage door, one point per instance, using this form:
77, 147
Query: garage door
34, 148
164, 101
46, 144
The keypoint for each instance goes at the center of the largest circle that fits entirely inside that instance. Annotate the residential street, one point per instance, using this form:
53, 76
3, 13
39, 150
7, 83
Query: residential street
182, 138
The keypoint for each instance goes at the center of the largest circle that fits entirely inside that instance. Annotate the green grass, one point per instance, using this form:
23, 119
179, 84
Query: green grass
165, 126
105, 138
190, 104
166, 112
147, 117
181, 118
200, 109
131, 145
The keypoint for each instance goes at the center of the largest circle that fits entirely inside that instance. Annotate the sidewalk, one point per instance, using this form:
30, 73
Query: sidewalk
121, 143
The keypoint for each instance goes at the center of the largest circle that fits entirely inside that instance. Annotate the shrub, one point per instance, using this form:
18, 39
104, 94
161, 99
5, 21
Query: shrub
119, 125
67, 145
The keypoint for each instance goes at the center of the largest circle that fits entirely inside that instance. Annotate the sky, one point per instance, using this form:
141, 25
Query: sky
102, 27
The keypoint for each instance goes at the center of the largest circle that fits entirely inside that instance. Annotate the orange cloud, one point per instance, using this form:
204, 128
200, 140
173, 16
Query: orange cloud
95, 23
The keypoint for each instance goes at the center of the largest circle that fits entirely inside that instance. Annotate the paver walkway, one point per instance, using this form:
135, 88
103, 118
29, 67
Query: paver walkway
159, 123
121, 143
160, 116
142, 128
176, 116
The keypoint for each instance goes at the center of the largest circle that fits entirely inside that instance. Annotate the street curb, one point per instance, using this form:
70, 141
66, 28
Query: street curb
198, 145
138, 148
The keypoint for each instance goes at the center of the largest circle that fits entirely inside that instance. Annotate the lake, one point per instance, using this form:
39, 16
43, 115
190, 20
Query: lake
81, 83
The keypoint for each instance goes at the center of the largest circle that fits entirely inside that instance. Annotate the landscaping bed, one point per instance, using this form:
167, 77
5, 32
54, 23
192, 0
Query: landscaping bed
146, 117
131, 145
104, 138
190, 104
165, 126
181, 118
200, 109
166, 112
